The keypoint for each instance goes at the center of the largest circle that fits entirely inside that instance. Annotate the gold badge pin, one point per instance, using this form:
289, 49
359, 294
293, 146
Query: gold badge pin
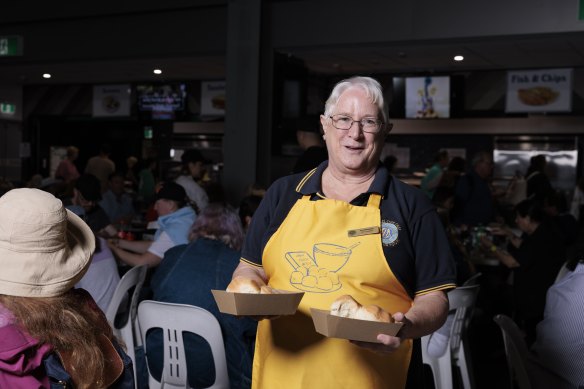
364, 231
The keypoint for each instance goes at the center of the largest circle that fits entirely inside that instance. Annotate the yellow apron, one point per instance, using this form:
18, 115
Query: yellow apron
328, 248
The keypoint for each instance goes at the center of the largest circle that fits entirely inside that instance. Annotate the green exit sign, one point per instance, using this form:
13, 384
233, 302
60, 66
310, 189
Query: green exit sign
10, 46
7, 108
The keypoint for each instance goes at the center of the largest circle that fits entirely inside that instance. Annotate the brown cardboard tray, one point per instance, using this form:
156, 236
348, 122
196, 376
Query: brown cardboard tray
353, 329
248, 304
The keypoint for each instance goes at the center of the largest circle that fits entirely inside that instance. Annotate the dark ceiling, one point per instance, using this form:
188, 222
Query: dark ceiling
499, 53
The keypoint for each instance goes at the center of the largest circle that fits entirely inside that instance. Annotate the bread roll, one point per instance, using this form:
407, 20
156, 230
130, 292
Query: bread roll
265, 289
243, 285
373, 313
347, 306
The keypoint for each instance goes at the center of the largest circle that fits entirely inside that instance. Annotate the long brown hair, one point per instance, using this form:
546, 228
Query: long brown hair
69, 323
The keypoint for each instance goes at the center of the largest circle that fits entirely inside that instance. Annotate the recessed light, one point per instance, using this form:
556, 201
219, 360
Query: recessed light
46, 75
458, 58
157, 71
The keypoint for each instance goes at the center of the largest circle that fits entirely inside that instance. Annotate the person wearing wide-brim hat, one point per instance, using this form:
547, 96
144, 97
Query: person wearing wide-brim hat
50, 331
175, 218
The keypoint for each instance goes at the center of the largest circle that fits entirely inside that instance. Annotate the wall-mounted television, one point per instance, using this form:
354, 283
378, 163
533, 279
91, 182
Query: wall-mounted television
428, 97
162, 100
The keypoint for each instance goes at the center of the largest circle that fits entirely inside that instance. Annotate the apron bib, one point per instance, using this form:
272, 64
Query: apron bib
328, 248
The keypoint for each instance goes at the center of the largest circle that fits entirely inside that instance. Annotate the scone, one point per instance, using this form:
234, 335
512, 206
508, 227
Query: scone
245, 285
347, 306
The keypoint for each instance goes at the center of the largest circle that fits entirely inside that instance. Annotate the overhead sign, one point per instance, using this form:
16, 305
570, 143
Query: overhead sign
111, 100
545, 90
213, 98
10, 46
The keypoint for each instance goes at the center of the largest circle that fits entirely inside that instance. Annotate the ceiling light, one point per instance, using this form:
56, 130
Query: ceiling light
458, 58
157, 71
46, 75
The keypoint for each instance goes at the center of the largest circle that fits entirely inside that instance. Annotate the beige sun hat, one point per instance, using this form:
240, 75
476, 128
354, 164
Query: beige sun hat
44, 248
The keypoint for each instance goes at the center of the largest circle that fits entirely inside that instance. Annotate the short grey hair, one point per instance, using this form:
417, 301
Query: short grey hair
371, 87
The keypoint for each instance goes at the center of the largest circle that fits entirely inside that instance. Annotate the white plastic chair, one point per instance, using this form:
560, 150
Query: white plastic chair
174, 319
461, 301
524, 368
122, 303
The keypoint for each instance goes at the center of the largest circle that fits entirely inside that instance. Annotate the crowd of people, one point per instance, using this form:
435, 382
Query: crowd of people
529, 229
64, 248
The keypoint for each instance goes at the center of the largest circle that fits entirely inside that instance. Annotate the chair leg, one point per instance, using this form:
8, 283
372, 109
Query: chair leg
465, 366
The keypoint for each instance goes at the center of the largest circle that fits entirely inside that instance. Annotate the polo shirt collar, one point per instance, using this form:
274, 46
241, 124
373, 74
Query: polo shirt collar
313, 179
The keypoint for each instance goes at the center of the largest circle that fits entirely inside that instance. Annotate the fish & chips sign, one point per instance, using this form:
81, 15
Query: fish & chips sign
545, 90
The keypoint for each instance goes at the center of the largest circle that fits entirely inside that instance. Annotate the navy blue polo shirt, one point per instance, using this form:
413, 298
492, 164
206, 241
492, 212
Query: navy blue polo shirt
413, 238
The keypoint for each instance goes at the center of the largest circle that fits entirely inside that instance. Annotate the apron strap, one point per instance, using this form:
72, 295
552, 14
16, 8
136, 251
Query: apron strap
374, 200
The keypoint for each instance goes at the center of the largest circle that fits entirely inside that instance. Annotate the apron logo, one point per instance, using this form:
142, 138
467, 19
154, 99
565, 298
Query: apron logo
389, 233
318, 273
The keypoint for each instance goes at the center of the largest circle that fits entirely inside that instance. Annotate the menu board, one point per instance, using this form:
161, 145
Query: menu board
545, 90
428, 97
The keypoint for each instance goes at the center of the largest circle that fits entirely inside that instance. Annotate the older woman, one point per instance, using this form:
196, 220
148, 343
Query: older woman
175, 217
51, 335
396, 255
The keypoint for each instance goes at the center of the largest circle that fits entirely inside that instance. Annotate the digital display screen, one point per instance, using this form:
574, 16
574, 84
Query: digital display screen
164, 98
428, 97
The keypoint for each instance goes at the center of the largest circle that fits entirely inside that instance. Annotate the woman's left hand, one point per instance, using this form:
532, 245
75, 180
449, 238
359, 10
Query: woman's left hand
388, 343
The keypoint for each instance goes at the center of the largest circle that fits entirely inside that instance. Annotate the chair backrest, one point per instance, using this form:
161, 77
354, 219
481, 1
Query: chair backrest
122, 303
516, 351
174, 319
462, 301
473, 280
132, 278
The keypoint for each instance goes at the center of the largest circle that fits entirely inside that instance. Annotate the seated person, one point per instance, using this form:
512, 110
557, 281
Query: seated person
247, 208
49, 331
175, 217
565, 222
186, 276
102, 277
559, 343
535, 258
116, 202
87, 194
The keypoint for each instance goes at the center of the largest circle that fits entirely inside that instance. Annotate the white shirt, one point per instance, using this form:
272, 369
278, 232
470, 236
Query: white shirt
194, 191
161, 245
102, 277
560, 335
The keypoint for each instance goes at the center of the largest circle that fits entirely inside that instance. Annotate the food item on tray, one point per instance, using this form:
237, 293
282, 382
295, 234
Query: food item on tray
538, 95
245, 285
347, 306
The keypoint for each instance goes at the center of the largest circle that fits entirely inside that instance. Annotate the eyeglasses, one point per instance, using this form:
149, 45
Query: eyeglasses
343, 122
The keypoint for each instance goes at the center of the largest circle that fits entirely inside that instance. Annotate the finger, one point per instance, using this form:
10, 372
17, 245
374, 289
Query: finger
398, 316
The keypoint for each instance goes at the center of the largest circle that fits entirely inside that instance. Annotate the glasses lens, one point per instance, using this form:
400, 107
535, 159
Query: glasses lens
342, 122
370, 124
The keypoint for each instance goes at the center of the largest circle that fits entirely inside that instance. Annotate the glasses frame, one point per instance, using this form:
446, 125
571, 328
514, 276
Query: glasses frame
360, 122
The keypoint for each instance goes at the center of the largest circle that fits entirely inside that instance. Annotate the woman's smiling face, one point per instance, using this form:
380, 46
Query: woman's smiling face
353, 151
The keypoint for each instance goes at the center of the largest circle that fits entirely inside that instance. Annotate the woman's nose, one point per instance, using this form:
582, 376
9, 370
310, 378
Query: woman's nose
355, 131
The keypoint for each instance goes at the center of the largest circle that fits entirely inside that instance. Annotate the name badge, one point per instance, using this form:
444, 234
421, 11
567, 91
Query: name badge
364, 231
